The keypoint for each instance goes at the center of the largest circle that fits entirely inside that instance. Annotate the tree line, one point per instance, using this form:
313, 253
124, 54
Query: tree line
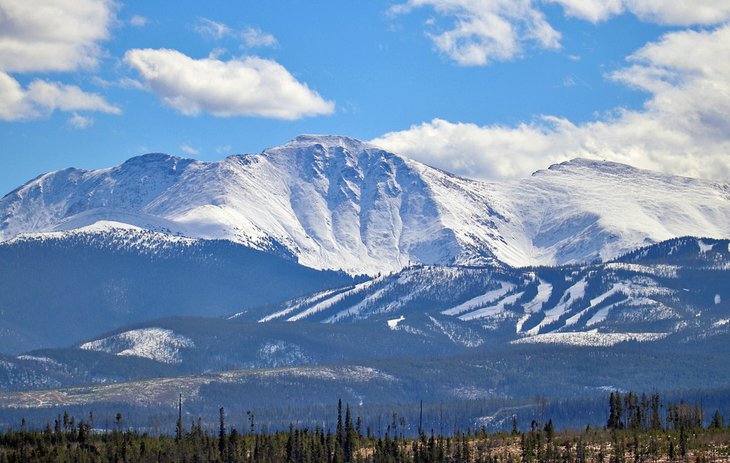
639, 429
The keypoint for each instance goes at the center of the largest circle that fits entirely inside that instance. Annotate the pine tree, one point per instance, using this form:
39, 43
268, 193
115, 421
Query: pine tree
340, 436
222, 434
349, 437
619, 411
718, 422
290, 444
549, 430
178, 425
682, 442
656, 421
233, 439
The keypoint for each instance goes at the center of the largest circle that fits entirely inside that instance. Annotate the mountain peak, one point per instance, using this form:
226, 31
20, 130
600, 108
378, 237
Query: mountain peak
589, 164
155, 158
329, 141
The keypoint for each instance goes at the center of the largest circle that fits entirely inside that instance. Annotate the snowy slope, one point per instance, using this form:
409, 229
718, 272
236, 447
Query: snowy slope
155, 343
640, 297
338, 203
585, 210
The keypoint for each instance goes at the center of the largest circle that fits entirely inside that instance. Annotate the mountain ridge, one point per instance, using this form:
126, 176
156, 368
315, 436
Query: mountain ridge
339, 203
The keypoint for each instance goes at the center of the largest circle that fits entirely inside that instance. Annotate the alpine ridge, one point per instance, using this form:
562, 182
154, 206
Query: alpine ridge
338, 203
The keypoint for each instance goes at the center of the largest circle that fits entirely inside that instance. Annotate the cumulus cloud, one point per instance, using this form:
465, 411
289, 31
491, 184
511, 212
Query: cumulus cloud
676, 13
48, 35
591, 10
248, 86
485, 31
666, 12
44, 36
42, 97
683, 128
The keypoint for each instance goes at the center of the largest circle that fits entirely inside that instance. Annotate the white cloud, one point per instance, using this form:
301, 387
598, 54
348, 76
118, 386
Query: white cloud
45, 36
189, 149
48, 35
80, 122
138, 21
487, 31
683, 128
213, 29
667, 12
248, 86
680, 13
591, 10
252, 37
41, 98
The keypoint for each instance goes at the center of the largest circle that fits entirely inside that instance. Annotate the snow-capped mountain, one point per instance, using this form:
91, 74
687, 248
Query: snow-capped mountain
339, 203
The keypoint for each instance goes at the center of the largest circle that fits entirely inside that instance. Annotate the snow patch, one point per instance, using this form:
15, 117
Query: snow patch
480, 301
45, 360
458, 335
544, 290
589, 338
159, 344
331, 301
601, 315
575, 292
293, 308
393, 324
493, 310
704, 247
596, 301
279, 354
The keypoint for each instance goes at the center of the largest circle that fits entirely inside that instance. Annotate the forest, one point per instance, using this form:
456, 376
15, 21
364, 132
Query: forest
642, 428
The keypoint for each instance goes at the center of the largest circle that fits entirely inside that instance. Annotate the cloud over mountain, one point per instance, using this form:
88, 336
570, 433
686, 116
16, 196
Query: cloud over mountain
248, 86
682, 127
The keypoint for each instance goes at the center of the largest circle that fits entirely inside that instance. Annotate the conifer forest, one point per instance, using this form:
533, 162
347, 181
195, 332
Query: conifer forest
640, 428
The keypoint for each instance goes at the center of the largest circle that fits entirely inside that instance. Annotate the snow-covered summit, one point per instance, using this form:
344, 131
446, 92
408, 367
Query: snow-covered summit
340, 203
587, 209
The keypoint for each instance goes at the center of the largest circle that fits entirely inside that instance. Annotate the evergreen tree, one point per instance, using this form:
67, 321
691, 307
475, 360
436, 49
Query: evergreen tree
549, 430
655, 421
718, 422
349, 438
222, 434
612, 419
682, 442
340, 436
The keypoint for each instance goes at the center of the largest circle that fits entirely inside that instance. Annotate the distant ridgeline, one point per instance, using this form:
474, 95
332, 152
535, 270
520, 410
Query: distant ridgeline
636, 430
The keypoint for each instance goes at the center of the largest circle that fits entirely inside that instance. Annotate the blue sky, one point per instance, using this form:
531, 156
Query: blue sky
490, 89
